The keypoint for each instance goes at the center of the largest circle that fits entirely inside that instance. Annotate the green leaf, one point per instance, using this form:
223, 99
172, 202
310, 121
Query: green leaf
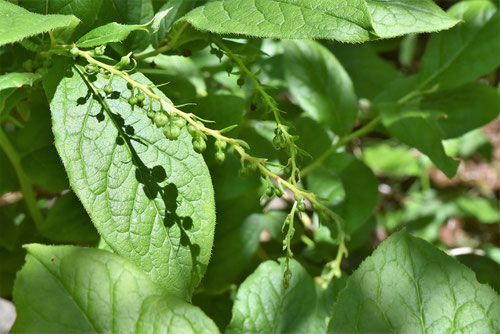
334, 19
408, 286
464, 108
346, 21
67, 221
263, 305
321, 85
465, 52
370, 74
419, 130
179, 9
393, 18
17, 23
151, 199
349, 185
236, 245
115, 32
71, 289
17, 80
44, 168
392, 161
112, 32
480, 208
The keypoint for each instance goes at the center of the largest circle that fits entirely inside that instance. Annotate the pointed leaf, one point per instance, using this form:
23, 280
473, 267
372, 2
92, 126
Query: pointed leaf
151, 199
419, 130
464, 108
408, 286
17, 23
393, 18
64, 289
465, 52
112, 32
321, 85
333, 19
264, 306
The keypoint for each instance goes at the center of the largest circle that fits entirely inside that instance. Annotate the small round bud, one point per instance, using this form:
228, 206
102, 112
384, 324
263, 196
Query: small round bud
270, 191
108, 89
240, 82
99, 51
151, 114
140, 97
172, 132
220, 145
192, 130
279, 192
199, 145
91, 68
229, 68
179, 121
74, 52
220, 157
301, 206
213, 51
161, 119
129, 85
132, 100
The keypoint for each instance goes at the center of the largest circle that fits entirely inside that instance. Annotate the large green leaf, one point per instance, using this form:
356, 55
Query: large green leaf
464, 108
321, 85
17, 23
333, 19
263, 305
408, 286
151, 199
347, 21
419, 130
393, 18
370, 74
465, 52
64, 289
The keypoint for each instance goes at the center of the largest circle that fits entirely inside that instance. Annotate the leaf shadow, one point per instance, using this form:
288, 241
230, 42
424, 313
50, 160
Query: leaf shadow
152, 179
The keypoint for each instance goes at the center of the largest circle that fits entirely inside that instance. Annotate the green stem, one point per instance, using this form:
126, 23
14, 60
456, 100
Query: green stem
26, 185
171, 45
342, 142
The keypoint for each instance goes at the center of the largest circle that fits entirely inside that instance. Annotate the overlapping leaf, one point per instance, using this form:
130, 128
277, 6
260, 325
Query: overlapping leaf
17, 23
150, 198
70, 289
347, 21
409, 286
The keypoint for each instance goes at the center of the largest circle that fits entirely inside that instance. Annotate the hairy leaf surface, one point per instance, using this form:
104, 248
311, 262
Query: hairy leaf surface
408, 286
150, 198
393, 18
332, 19
17, 23
346, 21
64, 289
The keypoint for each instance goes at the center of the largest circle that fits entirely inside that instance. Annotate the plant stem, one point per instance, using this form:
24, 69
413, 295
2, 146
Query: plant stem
342, 142
171, 45
25, 183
